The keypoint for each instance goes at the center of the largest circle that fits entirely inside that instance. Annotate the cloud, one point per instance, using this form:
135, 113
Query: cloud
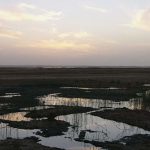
65, 41
97, 9
141, 20
25, 5
60, 45
9, 33
27, 12
74, 35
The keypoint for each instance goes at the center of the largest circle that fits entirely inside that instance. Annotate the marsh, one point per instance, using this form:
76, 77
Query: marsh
74, 108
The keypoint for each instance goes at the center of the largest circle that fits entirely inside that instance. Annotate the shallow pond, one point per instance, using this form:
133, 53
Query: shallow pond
93, 103
95, 128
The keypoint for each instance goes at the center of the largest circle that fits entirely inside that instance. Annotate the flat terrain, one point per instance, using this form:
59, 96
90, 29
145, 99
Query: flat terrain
88, 77
39, 86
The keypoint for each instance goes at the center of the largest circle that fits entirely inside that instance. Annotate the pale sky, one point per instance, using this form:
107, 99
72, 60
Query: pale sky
75, 32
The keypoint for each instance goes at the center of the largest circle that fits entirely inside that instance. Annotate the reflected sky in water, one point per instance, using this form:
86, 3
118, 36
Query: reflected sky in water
9, 132
95, 128
19, 116
99, 129
93, 103
10, 95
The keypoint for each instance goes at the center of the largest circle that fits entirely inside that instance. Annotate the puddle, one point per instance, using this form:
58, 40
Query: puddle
109, 88
95, 128
147, 93
68, 144
9, 132
99, 129
102, 130
19, 116
36, 108
10, 95
146, 85
93, 103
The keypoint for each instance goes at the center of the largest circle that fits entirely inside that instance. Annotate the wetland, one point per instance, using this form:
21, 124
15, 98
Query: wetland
74, 108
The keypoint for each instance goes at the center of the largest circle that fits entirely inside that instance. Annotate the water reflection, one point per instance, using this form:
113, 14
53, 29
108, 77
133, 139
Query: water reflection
79, 88
94, 128
9, 132
147, 93
68, 144
98, 129
19, 116
135, 103
10, 95
36, 108
146, 85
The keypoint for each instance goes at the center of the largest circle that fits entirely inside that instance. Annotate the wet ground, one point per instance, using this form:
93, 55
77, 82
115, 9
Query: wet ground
73, 116
76, 118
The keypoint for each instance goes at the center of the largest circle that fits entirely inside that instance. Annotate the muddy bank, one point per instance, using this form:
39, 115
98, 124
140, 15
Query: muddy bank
57, 111
23, 144
135, 142
47, 127
116, 94
139, 118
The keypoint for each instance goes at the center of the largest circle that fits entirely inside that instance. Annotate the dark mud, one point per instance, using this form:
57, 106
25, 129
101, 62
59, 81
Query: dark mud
105, 94
57, 111
135, 142
47, 127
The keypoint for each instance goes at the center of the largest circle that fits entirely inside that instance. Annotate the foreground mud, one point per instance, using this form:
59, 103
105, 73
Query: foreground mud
136, 142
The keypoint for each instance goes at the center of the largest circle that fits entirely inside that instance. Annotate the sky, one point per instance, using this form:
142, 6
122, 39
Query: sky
75, 32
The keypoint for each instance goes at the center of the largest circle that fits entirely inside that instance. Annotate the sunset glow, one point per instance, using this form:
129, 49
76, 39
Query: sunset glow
75, 32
